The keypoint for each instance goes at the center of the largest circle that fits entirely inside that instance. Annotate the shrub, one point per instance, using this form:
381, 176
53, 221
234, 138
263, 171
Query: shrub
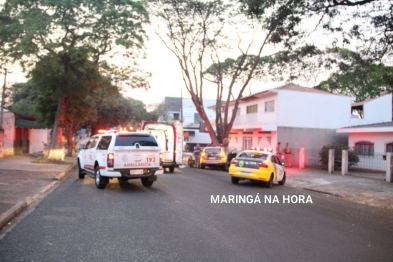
353, 159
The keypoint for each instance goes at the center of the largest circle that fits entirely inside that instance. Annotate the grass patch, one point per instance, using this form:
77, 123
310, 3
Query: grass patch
42, 160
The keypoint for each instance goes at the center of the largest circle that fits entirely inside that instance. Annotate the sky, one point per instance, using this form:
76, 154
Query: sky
166, 79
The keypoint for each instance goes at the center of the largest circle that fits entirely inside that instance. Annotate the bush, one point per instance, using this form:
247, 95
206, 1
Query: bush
353, 159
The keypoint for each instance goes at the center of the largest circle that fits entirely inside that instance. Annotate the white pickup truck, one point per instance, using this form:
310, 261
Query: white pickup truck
122, 155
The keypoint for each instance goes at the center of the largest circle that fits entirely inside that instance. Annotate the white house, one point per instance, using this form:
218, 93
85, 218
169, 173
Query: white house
22, 135
371, 136
303, 117
183, 109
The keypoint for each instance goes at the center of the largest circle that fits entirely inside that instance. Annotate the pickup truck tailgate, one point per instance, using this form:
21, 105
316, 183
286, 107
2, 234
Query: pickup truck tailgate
136, 158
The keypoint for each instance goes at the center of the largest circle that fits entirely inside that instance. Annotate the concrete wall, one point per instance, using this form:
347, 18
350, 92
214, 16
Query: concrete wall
9, 133
311, 139
313, 110
38, 137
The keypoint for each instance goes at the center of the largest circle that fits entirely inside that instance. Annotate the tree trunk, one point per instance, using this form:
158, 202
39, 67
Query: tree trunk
70, 142
56, 151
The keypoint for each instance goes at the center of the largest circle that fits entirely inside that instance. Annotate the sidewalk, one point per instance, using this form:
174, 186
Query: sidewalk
23, 182
360, 187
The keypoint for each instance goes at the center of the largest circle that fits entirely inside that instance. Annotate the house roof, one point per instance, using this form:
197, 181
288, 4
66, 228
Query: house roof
173, 103
373, 128
291, 87
361, 103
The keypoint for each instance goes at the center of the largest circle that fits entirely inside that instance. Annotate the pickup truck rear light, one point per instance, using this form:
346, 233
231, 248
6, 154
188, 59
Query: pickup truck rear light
110, 160
161, 159
262, 165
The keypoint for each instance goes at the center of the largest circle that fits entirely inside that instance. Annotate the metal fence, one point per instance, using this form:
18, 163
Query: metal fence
377, 162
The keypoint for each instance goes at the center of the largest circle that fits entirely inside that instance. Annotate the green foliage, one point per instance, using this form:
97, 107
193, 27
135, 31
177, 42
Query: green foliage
119, 111
83, 88
357, 77
366, 23
353, 159
24, 100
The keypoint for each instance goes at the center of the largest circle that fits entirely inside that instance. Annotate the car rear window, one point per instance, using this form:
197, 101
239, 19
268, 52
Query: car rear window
213, 150
131, 140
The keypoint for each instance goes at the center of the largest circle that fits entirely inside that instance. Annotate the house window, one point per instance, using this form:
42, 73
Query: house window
269, 106
389, 147
247, 142
364, 148
252, 109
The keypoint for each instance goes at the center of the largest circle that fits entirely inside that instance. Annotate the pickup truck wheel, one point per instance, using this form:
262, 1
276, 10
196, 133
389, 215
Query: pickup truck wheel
81, 175
146, 182
99, 180
171, 169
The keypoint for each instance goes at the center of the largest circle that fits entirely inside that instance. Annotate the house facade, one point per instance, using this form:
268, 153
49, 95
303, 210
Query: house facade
183, 109
22, 135
371, 133
303, 117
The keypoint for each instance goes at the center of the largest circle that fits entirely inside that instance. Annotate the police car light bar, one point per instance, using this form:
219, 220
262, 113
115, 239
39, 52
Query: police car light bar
262, 149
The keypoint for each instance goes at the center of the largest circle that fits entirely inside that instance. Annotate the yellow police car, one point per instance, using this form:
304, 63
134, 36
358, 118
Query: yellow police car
257, 165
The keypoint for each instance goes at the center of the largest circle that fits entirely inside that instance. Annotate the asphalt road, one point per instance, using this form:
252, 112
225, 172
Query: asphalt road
175, 220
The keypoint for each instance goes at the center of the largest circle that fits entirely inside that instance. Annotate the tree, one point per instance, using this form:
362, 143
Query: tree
195, 34
23, 99
82, 96
67, 28
118, 111
357, 77
366, 24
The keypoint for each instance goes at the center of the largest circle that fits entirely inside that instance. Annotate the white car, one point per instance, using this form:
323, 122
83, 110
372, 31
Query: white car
122, 155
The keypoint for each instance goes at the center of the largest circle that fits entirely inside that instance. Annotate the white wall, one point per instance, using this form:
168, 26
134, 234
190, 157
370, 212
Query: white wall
37, 139
189, 110
259, 119
377, 110
9, 133
201, 138
313, 110
380, 140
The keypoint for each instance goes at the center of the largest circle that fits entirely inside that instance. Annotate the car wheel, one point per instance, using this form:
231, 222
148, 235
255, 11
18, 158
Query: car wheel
99, 180
202, 166
269, 184
81, 175
171, 169
282, 182
146, 182
235, 180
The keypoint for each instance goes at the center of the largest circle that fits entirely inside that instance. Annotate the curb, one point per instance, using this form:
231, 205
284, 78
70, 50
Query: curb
18, 208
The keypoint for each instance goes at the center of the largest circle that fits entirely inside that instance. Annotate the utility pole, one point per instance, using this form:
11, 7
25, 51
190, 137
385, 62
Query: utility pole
1, 116
2, 100
181, 105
